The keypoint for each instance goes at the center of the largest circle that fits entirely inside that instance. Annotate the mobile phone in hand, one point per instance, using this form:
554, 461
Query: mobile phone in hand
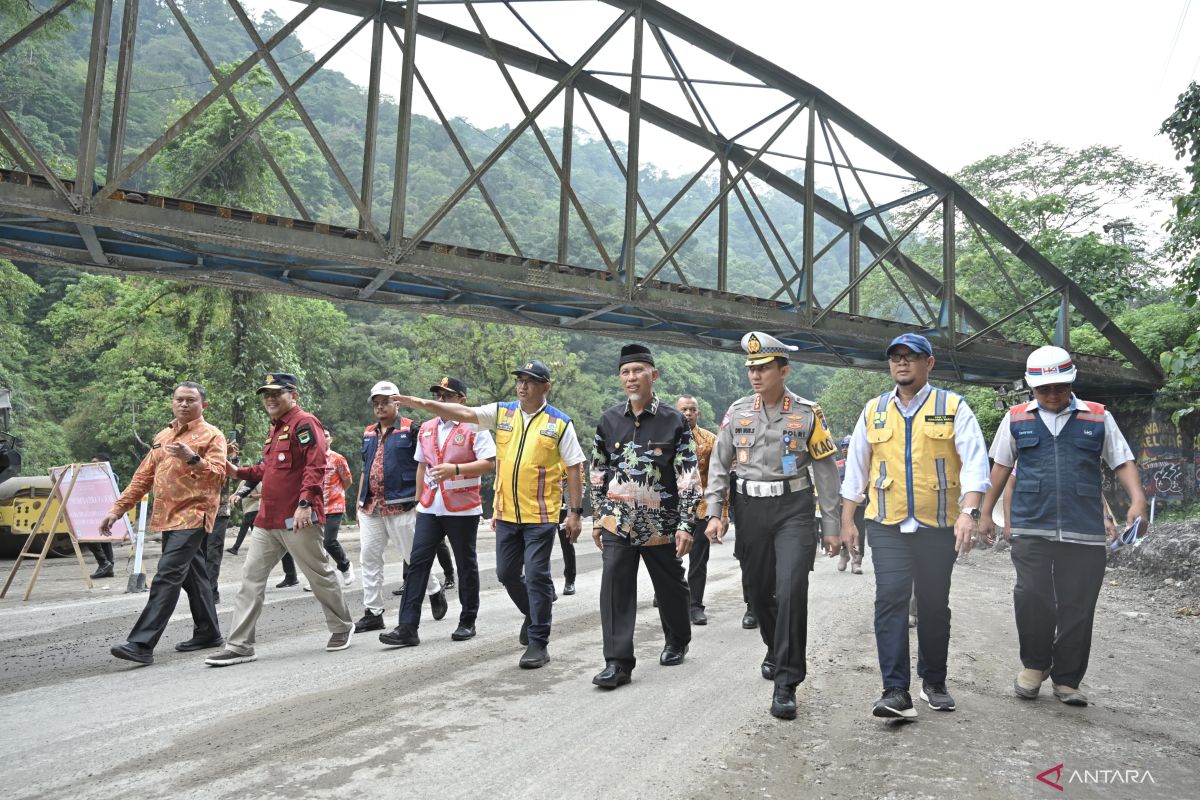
289, 523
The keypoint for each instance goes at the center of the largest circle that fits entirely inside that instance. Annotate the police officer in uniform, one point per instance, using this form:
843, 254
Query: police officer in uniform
769, 440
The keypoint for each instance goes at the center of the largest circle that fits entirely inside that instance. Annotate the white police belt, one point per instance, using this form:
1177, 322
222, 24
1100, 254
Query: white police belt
770, 488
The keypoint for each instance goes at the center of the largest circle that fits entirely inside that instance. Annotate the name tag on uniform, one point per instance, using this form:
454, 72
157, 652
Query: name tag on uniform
790, 468
940, 419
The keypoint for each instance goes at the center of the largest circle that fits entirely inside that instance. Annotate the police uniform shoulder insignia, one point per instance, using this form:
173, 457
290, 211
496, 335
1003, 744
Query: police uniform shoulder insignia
725, 420
787, 403
820, 441
304, 435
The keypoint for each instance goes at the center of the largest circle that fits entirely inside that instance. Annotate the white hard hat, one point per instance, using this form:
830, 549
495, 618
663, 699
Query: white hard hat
1049, 365
384, 388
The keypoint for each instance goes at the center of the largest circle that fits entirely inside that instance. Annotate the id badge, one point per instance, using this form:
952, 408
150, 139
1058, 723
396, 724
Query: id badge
790, 468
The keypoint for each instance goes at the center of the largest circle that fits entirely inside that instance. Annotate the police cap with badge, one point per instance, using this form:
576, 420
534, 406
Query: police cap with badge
761, 348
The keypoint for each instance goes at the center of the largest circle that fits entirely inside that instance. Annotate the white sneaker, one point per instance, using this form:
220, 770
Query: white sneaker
305, 586
347, 577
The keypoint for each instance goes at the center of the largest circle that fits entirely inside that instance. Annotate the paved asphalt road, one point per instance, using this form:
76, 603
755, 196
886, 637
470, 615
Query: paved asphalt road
459, 719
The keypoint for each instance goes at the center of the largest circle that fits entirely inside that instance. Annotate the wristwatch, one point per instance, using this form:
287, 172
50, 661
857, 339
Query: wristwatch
302, 504
974, 512
578, 510
194, 460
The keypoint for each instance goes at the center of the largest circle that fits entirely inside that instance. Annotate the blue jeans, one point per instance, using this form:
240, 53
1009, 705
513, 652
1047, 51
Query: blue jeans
904, 562
523, 567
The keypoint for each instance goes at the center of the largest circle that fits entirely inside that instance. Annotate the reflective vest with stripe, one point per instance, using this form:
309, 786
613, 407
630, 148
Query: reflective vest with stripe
459, 493
529, 470
1058, 491
914, 464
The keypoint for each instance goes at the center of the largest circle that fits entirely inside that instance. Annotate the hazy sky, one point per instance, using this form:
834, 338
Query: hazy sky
951, 81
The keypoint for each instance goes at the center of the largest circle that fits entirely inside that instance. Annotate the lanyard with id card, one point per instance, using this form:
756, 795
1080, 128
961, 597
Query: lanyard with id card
790, 467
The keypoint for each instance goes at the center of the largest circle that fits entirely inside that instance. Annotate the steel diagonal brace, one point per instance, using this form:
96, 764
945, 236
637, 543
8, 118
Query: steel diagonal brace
318, 139
490, 161
172, 133
243, 117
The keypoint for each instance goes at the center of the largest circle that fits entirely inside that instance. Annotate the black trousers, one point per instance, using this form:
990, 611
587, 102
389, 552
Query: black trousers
431, 533
444, 560
568, 551
697, 572
214, 551
333, 524
1058, 584
908, 565
247, 524
779, 545
102, 551
181, 567
618, 596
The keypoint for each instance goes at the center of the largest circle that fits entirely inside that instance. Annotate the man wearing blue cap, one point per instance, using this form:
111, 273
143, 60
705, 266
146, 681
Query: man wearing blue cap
917, 450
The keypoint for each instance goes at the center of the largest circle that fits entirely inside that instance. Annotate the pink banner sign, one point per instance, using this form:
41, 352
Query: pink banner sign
90, 498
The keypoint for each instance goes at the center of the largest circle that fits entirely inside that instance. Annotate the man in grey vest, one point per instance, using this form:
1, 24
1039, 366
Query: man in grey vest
1059, 524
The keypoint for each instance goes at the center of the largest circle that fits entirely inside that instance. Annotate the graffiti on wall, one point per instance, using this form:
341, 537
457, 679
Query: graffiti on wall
1160, 459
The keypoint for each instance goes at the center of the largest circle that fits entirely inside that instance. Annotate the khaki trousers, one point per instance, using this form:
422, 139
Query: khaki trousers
266, 548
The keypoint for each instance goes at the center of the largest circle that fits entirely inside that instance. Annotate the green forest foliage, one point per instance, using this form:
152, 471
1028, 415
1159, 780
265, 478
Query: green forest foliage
92, 358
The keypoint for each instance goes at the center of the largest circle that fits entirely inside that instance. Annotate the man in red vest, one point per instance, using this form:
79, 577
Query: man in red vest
450, 458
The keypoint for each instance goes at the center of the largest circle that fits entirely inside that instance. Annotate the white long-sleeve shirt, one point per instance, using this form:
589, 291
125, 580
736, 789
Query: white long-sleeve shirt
968, 441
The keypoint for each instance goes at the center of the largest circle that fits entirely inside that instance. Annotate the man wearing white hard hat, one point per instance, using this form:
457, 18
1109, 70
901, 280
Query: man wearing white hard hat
387, 502
1059, 524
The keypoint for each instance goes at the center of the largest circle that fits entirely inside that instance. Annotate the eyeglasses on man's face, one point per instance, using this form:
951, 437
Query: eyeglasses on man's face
906, 358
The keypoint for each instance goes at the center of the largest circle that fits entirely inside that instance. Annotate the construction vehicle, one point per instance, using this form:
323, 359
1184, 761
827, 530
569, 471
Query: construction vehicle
23, 498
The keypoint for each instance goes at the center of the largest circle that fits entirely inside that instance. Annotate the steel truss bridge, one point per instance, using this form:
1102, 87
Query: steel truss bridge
831, 205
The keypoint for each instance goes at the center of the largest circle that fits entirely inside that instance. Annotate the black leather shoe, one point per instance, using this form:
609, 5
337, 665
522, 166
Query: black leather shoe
448, 584
104, 570
288, 580
553, 594
523, 636
231, 550
401, 636
612, 676
439, 605
463, 632
133, 652
654, 602
399, 590
698, 617
749, 620
672, 655
783, 704
569, 587
193, 643
768, 669
536, 655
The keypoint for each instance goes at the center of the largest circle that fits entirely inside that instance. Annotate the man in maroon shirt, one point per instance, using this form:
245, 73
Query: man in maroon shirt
289, 520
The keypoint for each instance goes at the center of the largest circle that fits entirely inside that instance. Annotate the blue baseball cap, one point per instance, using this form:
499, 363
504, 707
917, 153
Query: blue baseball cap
913, 341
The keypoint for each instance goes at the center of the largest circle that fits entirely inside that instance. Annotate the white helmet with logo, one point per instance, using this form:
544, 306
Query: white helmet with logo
1049, 365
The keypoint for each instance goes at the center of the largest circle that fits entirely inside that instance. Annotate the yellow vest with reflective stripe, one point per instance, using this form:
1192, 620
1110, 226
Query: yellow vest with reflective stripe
529, 470
914, 464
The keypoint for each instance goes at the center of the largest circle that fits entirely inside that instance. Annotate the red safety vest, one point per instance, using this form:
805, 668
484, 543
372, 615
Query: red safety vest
459, 493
